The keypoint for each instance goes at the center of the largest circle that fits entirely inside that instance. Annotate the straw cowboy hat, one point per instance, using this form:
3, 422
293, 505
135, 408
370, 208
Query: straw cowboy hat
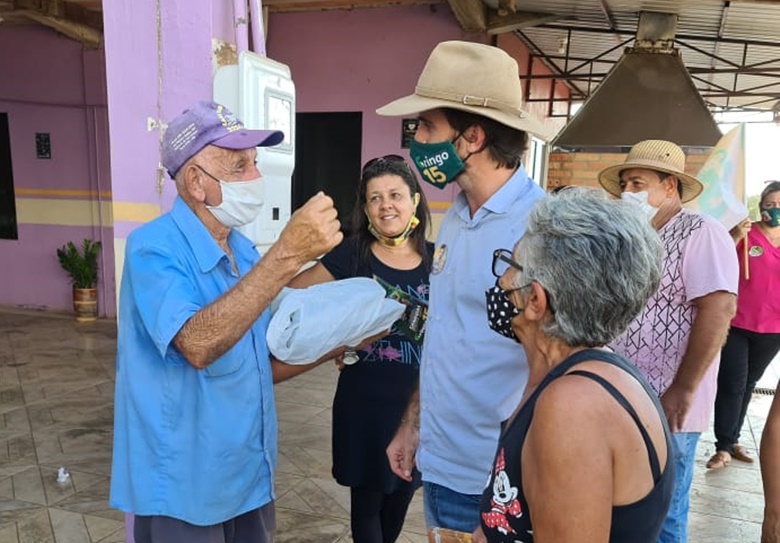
660, 155
471, 77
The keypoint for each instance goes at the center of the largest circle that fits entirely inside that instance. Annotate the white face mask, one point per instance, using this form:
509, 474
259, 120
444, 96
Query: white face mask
640, 199
241, 202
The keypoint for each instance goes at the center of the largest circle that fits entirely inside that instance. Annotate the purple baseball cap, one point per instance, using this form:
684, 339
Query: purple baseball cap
209, 123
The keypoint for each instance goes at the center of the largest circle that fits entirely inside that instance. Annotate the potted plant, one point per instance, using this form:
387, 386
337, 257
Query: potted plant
82, 267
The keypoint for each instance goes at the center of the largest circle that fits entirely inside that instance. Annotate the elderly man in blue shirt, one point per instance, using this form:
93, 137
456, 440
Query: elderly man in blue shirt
195, 423
472, 130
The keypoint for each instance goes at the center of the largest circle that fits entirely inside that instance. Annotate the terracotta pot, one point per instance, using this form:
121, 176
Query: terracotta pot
85, 304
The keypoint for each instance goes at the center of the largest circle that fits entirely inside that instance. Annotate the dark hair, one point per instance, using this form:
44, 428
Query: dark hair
378, 167
772, 186
663, 175
505, 144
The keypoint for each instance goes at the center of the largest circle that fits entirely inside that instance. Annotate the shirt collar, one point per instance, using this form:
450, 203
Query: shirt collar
207, 253
516, 187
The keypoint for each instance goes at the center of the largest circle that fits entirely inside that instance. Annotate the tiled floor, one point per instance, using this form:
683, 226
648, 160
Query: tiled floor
56, 389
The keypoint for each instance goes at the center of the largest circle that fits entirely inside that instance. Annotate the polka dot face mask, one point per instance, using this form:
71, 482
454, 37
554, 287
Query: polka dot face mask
501, 311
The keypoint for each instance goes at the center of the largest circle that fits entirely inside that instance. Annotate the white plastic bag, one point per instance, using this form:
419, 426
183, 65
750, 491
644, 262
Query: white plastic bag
308, 323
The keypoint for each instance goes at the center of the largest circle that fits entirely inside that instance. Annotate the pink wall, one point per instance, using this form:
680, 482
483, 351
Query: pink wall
52, 85
153, 77
359, 60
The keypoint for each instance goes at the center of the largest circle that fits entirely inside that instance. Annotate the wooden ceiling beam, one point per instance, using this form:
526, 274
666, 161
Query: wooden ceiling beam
88, 36
470, 14
476, 16
61, 9
55, 8
498, 24
71, 20
281, 6
82, 15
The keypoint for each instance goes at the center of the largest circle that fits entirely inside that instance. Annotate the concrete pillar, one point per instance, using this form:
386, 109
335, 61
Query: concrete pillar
160, 58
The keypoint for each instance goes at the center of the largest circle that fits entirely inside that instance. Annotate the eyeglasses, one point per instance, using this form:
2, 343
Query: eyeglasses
207, 173
374, 162
502, 261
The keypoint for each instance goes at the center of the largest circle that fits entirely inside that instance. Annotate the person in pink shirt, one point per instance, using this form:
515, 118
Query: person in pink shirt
675, 341
754, 336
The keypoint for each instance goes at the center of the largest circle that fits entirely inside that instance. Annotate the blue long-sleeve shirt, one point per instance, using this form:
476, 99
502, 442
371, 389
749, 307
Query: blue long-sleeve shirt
196, 445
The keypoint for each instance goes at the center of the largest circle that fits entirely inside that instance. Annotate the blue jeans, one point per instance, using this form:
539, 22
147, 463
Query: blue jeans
675, 527
445, 508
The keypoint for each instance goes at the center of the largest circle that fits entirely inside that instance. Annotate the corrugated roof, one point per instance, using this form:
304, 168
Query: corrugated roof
716, 40
753, 21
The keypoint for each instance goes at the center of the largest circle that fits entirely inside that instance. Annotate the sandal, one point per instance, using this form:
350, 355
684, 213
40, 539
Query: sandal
738, 452
719, 460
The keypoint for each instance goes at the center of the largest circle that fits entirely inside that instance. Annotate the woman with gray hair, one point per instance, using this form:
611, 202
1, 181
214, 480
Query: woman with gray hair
585, 456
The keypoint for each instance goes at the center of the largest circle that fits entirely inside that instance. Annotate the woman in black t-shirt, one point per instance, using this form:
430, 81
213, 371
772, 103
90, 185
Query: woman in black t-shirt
388, 243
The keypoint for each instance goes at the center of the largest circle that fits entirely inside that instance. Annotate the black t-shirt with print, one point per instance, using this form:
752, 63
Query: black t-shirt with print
372, 393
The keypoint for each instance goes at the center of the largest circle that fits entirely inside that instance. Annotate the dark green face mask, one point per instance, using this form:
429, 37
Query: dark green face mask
771, 216
438, 163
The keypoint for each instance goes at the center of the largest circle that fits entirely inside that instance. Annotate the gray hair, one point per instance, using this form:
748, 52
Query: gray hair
598, 259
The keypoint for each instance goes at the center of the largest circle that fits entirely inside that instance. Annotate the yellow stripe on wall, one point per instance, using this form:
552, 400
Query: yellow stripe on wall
119, 265
63, 193
135, 212
63, 212
82, 212
436, 219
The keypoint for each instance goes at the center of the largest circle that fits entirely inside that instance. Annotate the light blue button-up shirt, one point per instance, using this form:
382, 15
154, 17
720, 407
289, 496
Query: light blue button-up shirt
471, 378
196, 445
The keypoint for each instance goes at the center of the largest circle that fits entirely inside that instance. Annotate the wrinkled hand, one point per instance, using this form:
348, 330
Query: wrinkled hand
740, 230
478, 536
401, 450
676, 403
312, 230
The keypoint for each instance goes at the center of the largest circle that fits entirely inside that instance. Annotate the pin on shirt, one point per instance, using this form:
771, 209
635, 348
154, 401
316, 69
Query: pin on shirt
439, 259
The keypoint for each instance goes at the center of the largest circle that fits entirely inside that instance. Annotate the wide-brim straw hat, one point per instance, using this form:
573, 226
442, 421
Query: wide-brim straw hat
660, 155
471, 77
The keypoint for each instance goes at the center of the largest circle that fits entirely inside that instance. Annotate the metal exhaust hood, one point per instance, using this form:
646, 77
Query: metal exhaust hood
648, 94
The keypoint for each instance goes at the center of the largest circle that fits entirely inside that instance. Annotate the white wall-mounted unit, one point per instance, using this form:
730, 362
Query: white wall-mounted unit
260, 91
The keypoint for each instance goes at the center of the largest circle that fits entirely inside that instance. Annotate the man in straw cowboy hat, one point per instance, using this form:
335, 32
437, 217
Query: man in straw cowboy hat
472, 131
675, 342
